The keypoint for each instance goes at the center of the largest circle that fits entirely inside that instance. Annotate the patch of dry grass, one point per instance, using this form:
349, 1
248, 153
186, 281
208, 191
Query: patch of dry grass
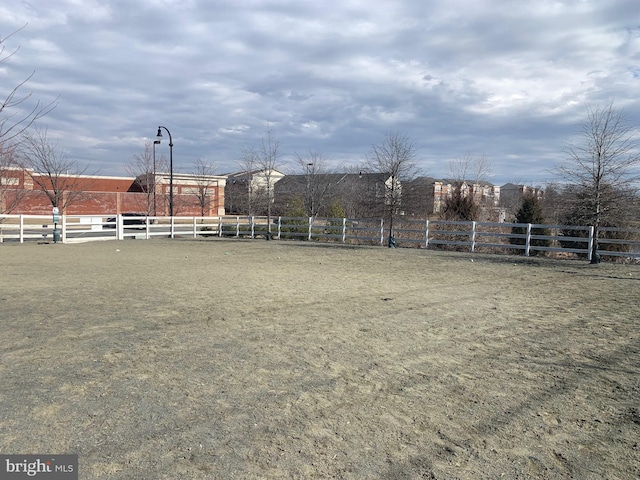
253, 359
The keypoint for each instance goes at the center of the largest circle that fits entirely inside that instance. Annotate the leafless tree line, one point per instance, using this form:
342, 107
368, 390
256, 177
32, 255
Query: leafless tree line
599, 187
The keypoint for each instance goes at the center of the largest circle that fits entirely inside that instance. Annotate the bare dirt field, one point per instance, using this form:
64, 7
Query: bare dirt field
221, 359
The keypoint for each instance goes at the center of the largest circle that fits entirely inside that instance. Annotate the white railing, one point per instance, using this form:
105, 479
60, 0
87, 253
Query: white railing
470, 236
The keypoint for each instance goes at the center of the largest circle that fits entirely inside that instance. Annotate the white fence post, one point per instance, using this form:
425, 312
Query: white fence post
63, 233
426, 234
381, 231
253, 226
119, 227
344, 230
310, 220
591, 240
527, 241
473, 236
21, 228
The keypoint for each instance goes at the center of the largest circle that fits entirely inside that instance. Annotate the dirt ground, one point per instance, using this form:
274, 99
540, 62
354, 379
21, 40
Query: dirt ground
221, 359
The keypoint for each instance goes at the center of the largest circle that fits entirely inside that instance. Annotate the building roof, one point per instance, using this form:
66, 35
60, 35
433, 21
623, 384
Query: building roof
447, 181
250, 173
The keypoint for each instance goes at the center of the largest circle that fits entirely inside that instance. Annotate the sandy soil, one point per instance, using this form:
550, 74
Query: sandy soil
251, 359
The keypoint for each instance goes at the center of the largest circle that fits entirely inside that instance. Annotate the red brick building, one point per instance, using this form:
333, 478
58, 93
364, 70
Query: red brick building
23, 191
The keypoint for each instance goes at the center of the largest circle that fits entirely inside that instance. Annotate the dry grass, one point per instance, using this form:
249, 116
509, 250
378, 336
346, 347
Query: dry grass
252, 359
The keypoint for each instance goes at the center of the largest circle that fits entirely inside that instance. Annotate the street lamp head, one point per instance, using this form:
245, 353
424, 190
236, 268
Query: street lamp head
156, 142
158, 136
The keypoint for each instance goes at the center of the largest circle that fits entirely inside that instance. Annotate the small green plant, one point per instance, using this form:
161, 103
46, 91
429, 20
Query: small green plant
336, 213
530, 212
297, 215
460, 206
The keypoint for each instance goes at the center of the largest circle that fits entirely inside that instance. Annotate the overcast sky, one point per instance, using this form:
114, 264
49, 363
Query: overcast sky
507, 79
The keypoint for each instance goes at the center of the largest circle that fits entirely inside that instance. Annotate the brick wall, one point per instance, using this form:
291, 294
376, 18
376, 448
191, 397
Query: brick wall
108, 196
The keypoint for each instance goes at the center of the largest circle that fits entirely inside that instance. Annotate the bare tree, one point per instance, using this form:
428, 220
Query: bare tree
553, 203
469, 168
51, 171
11, 177
601, 171
242, 192
351, 193
468, 176
266, 160
14, 119
145, 167
205, 183
318, 186
395, 156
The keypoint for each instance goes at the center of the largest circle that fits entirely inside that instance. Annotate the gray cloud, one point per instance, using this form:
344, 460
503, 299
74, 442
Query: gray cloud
507, 79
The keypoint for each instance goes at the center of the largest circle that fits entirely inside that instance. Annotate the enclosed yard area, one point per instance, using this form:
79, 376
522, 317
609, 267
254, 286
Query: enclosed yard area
254, 359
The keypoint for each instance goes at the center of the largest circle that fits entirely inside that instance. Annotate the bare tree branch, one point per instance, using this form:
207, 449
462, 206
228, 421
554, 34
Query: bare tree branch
469, 175
51, 170
266, 160
11, 176
204, 173
13, 120
469, 168
318, 187
395, 156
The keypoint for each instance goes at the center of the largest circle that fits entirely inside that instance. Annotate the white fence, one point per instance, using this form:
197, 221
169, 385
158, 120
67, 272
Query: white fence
470, 236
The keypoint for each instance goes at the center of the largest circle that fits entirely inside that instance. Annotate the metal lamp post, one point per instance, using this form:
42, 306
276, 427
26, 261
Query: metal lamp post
155, 211
159, 139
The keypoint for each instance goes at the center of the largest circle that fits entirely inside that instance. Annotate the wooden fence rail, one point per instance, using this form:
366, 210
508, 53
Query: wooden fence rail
490, 237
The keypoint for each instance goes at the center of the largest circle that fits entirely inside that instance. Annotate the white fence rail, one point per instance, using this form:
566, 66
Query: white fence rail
470, 236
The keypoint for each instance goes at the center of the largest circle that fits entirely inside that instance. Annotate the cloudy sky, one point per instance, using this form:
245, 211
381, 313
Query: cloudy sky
507, 79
